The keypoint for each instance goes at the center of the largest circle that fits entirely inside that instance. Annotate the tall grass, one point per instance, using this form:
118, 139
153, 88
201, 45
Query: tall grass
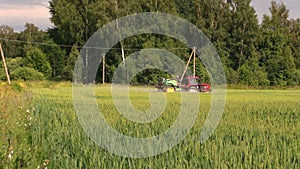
259, 129
15, 126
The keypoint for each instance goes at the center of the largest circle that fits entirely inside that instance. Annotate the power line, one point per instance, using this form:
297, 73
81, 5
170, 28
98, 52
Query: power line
82, 47
39, 43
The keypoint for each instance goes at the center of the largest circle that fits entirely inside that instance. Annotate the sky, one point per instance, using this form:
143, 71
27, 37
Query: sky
262, 7
16, 13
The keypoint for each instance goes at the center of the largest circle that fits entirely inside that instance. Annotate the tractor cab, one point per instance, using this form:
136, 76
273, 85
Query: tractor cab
190, 81
194, 84
190, 84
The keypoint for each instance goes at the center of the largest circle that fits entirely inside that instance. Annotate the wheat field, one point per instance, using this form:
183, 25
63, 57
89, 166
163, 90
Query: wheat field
259, 129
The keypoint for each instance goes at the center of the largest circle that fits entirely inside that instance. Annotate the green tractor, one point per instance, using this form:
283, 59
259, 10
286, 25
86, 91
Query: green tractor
168, 85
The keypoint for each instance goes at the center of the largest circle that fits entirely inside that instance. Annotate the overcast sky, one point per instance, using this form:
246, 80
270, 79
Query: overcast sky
16, 13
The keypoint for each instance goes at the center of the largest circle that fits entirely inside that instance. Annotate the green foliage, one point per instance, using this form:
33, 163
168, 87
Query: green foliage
32, 34
251, 74
27, 73
16, 87
149, 77
14, 63
75, 20
56, 58
16, 118
68, 70
7, 37
242, 32
232, 76
295, 40
276, 50
18, 70
37, 60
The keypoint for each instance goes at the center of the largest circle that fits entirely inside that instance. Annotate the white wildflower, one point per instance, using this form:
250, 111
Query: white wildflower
10, 154
29, 118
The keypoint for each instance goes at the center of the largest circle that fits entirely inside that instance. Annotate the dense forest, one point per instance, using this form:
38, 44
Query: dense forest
254, 51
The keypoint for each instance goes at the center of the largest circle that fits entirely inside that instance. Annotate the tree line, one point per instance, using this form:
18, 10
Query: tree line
254, 52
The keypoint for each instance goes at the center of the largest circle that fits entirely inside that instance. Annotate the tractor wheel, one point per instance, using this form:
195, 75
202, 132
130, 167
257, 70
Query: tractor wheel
193, 90
160, 90
170, 90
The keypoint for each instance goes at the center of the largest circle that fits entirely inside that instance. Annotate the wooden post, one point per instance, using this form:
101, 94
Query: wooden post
194, 61
187, 65
120, 35
4, 63
103, 69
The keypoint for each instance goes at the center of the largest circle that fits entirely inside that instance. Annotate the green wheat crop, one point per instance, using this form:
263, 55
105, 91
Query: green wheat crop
259, 129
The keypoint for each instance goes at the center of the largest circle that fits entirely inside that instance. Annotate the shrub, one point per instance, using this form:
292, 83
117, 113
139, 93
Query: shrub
26, 73
37, 60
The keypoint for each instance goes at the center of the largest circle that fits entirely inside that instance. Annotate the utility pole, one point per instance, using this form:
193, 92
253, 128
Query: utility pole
86, 77
194, 61
193, 54
103, 69
120, 35
187, 65
4, 63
